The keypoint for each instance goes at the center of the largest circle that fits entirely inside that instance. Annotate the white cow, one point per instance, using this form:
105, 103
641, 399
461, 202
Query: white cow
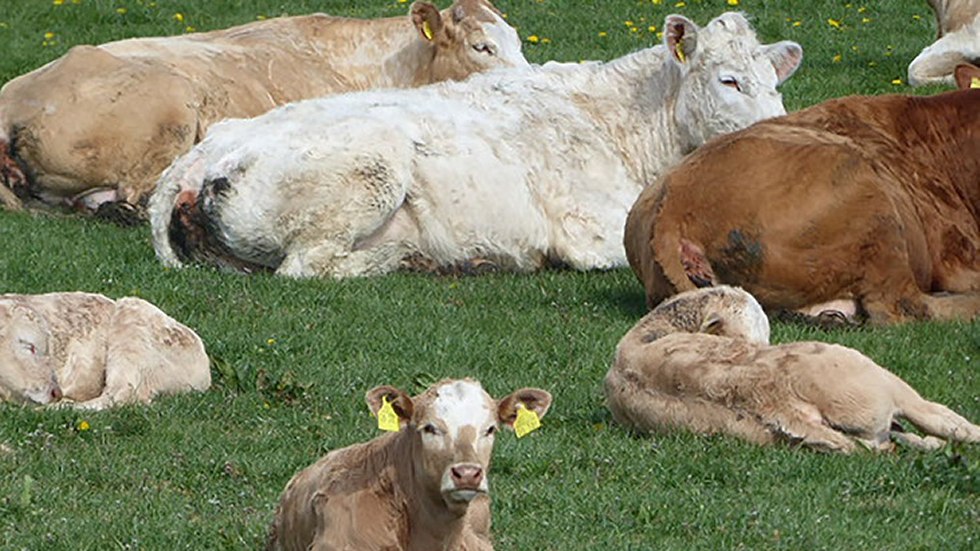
93, 352
958, 42
525, 168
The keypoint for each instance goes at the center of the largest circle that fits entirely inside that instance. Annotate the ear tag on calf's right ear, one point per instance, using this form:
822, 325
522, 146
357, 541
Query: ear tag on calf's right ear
679, 48
975, 82
427, 30
527, 421
387, 418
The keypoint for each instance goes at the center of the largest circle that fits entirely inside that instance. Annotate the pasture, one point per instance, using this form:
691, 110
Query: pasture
293, 359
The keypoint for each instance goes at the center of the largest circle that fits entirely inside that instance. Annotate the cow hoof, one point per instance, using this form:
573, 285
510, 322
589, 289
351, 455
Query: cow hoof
120, 213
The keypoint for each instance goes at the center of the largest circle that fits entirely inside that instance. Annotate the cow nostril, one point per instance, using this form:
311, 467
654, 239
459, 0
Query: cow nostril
467, 474
56, 393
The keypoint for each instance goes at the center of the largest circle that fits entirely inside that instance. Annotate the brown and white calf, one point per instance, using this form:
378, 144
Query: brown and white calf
93, 352
697, 362
422, 488
871, 204
100, 124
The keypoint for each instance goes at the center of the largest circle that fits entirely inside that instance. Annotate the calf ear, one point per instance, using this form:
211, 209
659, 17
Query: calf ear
967, 76
680, 37
533, 399
786, 57
400, 402
427, 20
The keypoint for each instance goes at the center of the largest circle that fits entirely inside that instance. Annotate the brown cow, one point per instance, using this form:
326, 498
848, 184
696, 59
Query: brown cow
870, 201
101, 123
422, 488
699, 362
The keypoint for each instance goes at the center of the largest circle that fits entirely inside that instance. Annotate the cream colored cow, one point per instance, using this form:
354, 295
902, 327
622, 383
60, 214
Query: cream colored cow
93, 352
98, 125
422, 488
701, 361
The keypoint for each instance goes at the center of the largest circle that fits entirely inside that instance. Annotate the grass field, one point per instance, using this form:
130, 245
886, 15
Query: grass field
294, 358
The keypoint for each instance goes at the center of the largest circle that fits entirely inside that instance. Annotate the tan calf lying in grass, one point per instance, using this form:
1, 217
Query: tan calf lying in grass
701, 361
422, 488
93, 352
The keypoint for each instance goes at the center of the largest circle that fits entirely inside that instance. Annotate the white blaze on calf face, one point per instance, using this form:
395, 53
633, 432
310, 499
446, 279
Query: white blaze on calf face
457, 432
503, 39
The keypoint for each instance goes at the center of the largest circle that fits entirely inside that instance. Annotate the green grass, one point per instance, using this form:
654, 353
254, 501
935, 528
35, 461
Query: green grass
294, 358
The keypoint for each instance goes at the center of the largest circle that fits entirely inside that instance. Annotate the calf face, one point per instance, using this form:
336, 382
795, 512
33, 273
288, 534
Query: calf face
26, 373
453, 425
729, 79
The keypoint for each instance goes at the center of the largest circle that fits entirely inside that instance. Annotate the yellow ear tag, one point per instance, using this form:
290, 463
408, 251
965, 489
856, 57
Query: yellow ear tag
387, 418
679, 48
527, 421
427, 30
975, 82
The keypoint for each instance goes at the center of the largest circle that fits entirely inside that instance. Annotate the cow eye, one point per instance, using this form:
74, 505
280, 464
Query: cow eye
492, 429
731, 82
485, 48
29, 346
430, 429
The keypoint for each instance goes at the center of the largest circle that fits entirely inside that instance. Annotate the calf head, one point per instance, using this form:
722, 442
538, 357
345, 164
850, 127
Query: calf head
728, 79
470, 36
26, 373
452, 426
720, 310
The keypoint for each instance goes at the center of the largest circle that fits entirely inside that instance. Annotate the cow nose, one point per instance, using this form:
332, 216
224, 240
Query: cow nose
467, 476
55, 394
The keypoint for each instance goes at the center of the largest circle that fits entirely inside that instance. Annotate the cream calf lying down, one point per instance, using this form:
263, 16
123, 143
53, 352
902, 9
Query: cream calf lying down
98, 125
958, 42
422, 488
92, 352
701, 361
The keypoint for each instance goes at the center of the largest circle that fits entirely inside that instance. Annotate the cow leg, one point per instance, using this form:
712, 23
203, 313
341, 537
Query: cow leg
329, 260
953, 306
937, 420
927, 443
798, 430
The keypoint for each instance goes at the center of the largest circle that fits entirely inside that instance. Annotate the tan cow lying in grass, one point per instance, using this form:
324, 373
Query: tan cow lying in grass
100, 124
93, 352
423, 488
869, 206
701, 361
958, 42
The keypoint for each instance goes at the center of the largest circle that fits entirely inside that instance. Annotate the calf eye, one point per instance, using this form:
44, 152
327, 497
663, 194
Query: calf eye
490, 431
485, 48
29, 346
430, 429
731, 82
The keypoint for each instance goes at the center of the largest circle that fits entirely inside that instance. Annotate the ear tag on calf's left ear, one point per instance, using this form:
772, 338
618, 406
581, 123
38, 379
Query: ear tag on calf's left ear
387, 418
679, 48
975, 82
527, 421
427, 30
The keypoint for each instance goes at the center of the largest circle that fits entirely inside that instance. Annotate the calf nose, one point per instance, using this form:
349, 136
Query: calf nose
186, 199
467, 476
55, 394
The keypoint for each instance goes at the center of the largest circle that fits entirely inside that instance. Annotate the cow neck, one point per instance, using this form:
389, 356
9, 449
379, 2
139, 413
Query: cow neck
635, 96
431, 524
410, 65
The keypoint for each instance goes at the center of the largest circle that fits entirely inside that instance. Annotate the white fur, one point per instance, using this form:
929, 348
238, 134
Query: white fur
935, 64
524, 167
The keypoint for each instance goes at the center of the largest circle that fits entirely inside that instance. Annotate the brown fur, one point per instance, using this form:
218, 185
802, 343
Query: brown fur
822, 396
96, 118
868, 199
385, 493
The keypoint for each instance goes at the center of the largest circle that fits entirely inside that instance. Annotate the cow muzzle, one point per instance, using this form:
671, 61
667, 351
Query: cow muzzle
464, 481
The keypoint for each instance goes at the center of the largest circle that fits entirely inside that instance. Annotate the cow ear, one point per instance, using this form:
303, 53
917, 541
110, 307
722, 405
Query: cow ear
680, 37
533, 399
400, 402
427, 20
712, 325
967, 76
786, 57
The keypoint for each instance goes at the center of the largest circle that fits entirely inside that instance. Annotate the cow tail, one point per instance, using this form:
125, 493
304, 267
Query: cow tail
161, 208
679, 264
12, 174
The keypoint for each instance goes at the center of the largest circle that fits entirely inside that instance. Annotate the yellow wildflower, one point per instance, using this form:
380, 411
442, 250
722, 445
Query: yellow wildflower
121, 11
179, 17
838, 58
652, 28
603, 34
628, 23
48, 35
189, 29
83, 425
797, 23
261, 17
533, 39
680, 4
732, 2
897, 82
270, 341
59, 2
546, 40
862, 9
834, 23
657, 2
866, 20
917, 17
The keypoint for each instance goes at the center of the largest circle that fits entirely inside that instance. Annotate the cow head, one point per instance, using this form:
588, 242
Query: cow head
728, 79
470, 36
452, 425
26, 373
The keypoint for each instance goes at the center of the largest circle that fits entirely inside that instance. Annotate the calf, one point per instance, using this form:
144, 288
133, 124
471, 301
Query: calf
869, 202
699, 362
526, 169
422, 488
958, 41
63, 141
92, 352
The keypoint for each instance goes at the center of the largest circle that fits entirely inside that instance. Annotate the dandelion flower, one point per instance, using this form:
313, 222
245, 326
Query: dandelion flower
680, 4
732, 2
897, 82
546, 40
270, 341
83, 425
179, 17
838, 58
533, 39
917, 17
797, 23
48, 35
59, 2
121, 11
189, 29
834, 23
652, 28
628, 23
866, 20
657, 2
862, 9
603, 34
